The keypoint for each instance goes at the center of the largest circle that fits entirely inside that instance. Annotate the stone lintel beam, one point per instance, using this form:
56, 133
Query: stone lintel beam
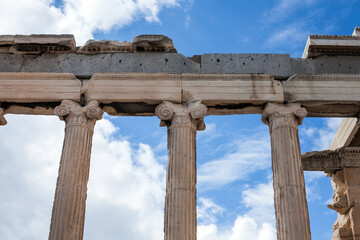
38, 87
325, 94
222, 93
331, 161
138, 94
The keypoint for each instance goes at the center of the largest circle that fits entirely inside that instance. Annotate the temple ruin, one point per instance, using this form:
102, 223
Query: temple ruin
49, 75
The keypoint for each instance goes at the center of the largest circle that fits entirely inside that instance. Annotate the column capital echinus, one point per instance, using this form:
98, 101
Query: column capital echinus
69, 108
290, 110
191, 114
2, 119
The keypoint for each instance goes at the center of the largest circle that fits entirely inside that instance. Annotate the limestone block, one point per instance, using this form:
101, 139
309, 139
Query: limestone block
220, 89
38, 87
273, 64
105, 46
7, 44
38, 44
133, 88
330, 88
318, 45
153, 43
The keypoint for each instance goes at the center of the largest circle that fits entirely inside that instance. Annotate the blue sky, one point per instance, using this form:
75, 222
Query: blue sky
127, 176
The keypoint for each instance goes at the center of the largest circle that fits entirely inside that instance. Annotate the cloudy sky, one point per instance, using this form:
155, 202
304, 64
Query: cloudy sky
128, 166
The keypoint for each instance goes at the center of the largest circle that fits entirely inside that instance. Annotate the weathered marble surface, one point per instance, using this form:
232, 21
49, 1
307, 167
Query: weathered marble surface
38, 87
183, 121
346, 202
68, 214
37, 44
105, 46
292, 216
153, 43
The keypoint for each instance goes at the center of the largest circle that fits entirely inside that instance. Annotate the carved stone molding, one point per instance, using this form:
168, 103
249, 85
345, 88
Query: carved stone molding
292, 110
331, 161
69, 108
318, 45
2, 118
191, 115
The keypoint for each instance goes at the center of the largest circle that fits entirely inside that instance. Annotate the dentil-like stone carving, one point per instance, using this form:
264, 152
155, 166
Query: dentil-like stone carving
2, 119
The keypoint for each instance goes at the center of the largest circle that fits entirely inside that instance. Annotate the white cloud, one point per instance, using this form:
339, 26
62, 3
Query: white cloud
30, 154
260, 201
256, 224
327, 133
125, 191
293, 34
79, 17
284, 8
206, 211
252, 153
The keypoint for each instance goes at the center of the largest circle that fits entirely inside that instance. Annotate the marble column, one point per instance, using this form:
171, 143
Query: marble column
292, 216
68, 214
2, 119
180, 203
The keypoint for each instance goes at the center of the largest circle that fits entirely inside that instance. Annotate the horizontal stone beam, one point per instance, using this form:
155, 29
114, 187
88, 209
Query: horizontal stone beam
279, 65
140, 93
326, 161
325, 94
330, 161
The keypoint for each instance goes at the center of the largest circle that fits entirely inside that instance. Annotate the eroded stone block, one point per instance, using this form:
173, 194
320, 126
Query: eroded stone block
37, 44
153, 43
105, 46
7, 44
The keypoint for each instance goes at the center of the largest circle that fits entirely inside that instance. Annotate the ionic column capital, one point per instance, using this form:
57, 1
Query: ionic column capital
2, 119
182, 114
69, 108
291, 110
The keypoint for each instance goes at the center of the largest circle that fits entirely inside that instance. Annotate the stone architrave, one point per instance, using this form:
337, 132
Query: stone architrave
292, 217
68, 214
2, 119
180, 202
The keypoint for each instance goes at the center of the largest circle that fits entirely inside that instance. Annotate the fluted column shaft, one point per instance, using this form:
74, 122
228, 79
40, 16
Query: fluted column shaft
180, 202
68, 214
292, 217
